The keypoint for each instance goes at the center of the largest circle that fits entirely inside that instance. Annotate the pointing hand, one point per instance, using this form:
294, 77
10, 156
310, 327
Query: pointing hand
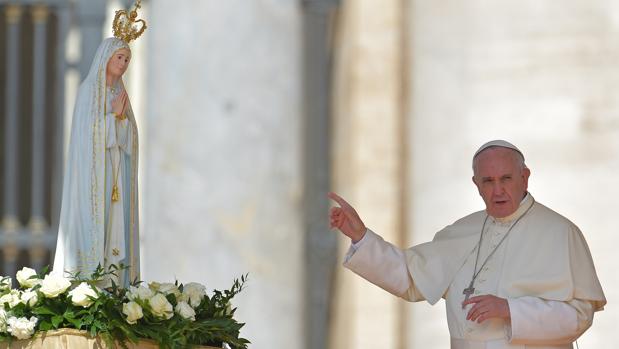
346, 219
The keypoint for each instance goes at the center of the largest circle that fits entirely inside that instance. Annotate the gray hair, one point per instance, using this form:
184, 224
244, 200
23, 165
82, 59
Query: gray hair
517, 156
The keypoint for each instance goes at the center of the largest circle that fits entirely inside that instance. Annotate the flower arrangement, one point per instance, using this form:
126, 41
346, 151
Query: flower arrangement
172, 314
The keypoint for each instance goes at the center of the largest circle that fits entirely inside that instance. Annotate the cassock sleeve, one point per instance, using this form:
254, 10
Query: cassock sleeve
535, 321
354, 246
382, 264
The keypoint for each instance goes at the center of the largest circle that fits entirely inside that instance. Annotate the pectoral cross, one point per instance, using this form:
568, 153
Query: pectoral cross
467, 292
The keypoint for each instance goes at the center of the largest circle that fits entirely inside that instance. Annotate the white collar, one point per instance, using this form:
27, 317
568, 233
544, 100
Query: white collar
522, 208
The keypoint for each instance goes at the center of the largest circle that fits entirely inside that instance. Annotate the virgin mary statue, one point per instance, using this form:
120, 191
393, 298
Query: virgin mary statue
99, 211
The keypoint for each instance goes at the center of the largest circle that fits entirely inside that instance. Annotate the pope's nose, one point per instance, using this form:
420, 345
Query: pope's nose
498, 190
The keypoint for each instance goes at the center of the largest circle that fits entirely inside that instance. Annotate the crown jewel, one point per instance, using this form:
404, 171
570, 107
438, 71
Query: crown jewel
126, 25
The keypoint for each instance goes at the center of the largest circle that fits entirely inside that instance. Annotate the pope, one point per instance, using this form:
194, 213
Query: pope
515, 275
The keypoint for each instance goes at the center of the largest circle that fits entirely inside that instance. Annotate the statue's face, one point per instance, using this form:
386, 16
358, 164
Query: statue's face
501, 181
119, 62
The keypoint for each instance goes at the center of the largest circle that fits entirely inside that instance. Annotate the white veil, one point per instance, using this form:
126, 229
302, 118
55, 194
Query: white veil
81, 233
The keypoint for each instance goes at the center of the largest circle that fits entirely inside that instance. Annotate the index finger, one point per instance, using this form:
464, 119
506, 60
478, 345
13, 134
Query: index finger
338, 199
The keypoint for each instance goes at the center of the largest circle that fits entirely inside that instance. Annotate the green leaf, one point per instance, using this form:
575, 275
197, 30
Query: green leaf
88, 319
69, 314
45, 326
98, 324
43, 310
57, 320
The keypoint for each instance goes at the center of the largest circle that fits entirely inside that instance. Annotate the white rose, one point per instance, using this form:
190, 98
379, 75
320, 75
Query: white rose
12, 298
165, 288
169, 288
195, 292
160, 306
83, 295
22, 328
183, 298
154, 286
5, 283
133, 312
54, 285
30, 298
24, 277
185, 310
141, 292
3, 316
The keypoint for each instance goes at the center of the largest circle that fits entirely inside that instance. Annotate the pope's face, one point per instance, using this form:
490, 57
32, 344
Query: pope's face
119, 62
500, 180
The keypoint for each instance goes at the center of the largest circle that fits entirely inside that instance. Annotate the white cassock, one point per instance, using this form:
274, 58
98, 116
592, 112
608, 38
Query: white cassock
543, 268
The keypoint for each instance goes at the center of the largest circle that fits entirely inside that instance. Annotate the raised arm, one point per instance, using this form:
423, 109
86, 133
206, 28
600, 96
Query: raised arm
371, 257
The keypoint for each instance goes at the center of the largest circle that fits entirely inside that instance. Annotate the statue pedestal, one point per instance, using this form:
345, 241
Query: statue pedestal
71, 339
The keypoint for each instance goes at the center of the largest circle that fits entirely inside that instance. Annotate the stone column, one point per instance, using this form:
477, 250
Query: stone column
320, 242
10, 221
40, 112
13, 15
370, 160
222, 189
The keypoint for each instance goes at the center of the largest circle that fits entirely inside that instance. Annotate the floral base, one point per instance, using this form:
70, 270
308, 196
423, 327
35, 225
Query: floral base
68, 338
53, 308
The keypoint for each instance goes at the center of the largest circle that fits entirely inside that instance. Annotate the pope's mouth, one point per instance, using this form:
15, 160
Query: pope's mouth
500, 202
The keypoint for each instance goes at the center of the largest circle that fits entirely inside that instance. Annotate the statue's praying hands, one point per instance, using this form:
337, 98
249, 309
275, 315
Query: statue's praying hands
119, 104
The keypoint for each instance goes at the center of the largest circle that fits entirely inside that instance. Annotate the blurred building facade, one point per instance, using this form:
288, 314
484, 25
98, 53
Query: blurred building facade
249, 112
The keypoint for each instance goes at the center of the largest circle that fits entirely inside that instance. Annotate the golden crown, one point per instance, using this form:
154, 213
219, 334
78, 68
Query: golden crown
126, 25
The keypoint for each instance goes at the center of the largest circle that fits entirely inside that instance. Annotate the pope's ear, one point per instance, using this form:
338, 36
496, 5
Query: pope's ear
476, 186
525, 176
